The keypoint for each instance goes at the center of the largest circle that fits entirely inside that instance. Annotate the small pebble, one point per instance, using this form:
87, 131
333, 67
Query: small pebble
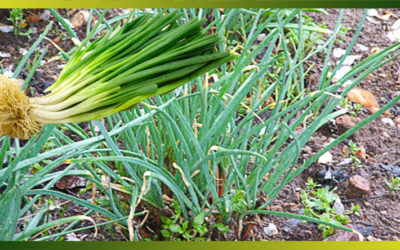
325, 158
261, 37
6, 28
358, 187
71, 237
351, 59
338, 206
270, 230
372, 238
388, 121
362, 47
291, 225
338, 52
23, 51
367, 204
345, 162
45, 15
372, 12
5, 54
397, 122
341, 235
365, 230
346, 122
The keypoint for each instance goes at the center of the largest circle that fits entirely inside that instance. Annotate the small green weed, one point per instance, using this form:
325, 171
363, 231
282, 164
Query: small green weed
19, 22
177, 228
394, 185
354, 109
354, 149
319, 203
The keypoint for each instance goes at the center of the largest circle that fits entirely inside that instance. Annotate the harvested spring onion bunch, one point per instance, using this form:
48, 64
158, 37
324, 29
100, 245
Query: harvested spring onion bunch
144, 57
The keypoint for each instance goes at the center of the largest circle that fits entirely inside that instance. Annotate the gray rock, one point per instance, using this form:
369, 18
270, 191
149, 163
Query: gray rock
45, 15
341, 235
6, 28
261, 37
270, 230
338, 206
291, 225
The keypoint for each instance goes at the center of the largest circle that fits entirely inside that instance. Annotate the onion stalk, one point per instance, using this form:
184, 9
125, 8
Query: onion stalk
143, 57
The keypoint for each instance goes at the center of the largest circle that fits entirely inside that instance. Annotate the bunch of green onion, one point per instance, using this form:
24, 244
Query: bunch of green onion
144, 57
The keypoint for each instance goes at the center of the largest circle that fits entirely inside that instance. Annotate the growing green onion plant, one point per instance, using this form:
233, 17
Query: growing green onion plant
221, 148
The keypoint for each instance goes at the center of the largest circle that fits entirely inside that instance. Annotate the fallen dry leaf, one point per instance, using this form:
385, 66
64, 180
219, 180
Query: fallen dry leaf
79, 19
397, 122
57, 39
387, 12
24, 24
32, 18
72, 11
361, 154
366, 99
345, 150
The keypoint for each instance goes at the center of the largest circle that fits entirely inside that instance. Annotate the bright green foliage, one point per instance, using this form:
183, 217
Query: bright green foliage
318, 203
354, 109
355, 209
18, 21
394, 184
353, 154
177, 228
192, 144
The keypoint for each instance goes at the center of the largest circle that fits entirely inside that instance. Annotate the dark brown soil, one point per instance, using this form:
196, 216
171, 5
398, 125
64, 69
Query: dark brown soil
380, 214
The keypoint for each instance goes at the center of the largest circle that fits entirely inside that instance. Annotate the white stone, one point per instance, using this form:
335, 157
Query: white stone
71, 237
372, 20
350, 60
325, 158
5, 54
270, 230
261, 37
372, 12
394, 33
338, 206
388, 121
338, 52
6, 28
23, 51
362, 47
45, 15
342, 71
396, 25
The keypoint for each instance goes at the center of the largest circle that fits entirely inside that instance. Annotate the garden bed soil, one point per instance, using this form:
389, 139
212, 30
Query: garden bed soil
380, 214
